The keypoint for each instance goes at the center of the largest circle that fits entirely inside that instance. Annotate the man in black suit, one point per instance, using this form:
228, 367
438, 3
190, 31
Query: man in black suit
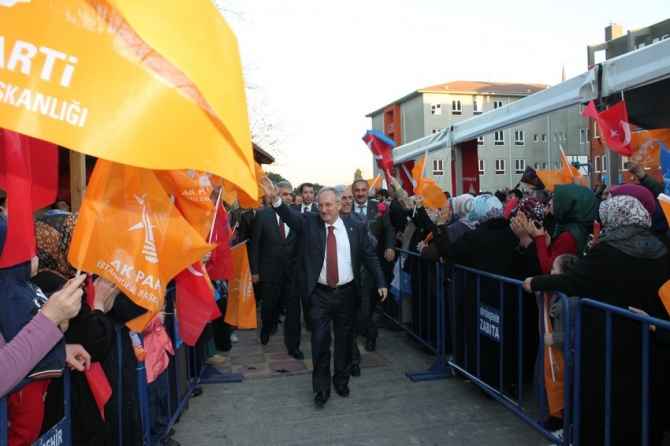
308, 204
273, 251
379, 225
331, 252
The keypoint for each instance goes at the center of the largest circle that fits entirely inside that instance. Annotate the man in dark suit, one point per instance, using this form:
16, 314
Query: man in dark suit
273, 251
331, 252
308, 204
379, 225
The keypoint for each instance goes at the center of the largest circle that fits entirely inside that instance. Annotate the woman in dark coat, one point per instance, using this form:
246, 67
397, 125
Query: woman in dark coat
625, 267
491, 247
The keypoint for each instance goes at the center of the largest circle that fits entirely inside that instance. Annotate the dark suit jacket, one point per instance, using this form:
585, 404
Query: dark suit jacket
268, 256
312, 250
380, 227
298, 207
397, 215
246, 220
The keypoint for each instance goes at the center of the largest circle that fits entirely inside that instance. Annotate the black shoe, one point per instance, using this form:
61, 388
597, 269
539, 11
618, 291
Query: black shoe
196, 392
321, 398
265, 338
370, 345
171, 432
297, 354
343, 391
355, 370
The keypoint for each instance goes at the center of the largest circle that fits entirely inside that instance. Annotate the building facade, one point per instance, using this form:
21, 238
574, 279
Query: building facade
502, 155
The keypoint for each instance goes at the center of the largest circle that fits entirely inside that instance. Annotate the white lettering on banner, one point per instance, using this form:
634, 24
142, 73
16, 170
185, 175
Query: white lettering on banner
72, 113
25, 56
489, 322
53, 437
469, 179
127, 279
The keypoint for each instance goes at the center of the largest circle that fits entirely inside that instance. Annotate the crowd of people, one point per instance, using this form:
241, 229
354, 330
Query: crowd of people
329, 256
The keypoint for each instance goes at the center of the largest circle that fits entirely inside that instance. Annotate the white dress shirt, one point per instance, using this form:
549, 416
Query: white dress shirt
344, 267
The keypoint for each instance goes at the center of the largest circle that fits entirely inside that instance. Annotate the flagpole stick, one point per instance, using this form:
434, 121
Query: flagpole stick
551, 355
216, 211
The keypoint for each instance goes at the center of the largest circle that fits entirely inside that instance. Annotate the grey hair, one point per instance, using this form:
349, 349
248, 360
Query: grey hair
341, 187
284, 185
338, 194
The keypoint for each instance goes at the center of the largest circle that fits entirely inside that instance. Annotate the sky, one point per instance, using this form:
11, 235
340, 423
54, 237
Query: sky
318, 67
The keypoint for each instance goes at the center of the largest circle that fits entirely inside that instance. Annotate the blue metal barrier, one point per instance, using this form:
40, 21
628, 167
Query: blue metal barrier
427, 326
489, 323
609, 406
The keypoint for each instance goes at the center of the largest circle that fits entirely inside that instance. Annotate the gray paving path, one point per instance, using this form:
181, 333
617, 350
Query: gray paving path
384, 408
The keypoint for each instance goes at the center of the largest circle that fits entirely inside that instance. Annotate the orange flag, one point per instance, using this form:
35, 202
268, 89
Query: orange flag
553, 369
129, 232
417, 171
241, 311
68, 65
564, 175
191, 191
645, 148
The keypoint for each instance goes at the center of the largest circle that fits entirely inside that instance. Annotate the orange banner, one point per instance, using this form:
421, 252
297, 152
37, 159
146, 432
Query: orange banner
241, 311
113, 80
129, 232
645, 147
564, 175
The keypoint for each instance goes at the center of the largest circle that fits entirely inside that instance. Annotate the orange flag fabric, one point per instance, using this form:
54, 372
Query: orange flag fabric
129, 232
645, 148
192, 193
417, 171
433, 195
241, 311
553, 369
564, 175
68, 65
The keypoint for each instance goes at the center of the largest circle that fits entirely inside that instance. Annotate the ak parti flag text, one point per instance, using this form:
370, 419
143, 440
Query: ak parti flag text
129, 232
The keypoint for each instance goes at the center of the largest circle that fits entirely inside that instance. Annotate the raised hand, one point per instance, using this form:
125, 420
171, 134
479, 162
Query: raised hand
65, 303
270, 188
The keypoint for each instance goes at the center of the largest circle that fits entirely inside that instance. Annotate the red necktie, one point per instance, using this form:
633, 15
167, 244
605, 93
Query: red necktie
332, 275
282, 230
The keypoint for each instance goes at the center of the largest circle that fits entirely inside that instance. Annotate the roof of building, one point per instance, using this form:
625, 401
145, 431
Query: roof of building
471, 87
261, 156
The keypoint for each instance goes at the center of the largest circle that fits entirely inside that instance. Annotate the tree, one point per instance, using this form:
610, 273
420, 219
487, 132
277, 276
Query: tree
358, 174
275, 177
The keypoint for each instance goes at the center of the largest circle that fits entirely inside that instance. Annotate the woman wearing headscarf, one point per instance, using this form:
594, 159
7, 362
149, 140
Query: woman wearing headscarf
491, 248
659, 224
531, 212
575, 208
625, 267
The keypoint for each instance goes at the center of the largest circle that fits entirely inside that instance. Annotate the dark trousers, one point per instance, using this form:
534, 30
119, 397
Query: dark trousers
340, 308
274, 296
368, 328
159, 415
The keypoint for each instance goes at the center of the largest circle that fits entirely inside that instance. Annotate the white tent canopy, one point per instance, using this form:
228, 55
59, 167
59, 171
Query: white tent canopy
643, 66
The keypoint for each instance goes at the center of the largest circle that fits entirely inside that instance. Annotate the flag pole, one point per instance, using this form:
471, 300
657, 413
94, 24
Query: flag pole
216, 211
552, 361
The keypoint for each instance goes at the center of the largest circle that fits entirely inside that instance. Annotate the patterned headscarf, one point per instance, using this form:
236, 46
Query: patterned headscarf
623, 210
53, 234
626, 226
464, 209
532, 208
487, 207
636, 191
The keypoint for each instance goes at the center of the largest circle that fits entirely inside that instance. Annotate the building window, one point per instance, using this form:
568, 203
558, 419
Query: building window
587, 133
480, 141
537, 166
436, 107
477, 106
520, 166
624, 162
456, 109
544, 138
536, 138
544, 165
438, 168
596, 164
582, 135
555, 137
497, 104
499, 138
437, 130
500, 167
482, 167
519, 137
565, 136
595, 131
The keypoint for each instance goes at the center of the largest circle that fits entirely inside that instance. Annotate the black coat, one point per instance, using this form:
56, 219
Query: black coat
609, 275
269, 257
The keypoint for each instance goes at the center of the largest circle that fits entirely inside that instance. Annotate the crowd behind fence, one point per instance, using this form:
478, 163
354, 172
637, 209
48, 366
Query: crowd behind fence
476, 336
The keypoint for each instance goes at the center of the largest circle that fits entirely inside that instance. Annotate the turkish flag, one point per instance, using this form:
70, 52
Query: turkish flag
29, 175
220, 265
195, 302
614, 126
381, 147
